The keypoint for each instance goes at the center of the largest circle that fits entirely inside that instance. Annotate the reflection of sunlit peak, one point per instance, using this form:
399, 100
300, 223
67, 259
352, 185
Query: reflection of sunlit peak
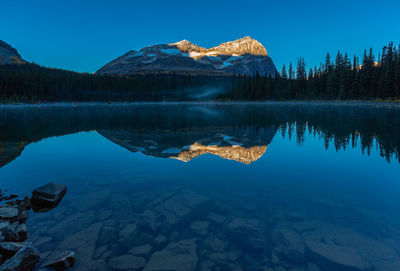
236, 152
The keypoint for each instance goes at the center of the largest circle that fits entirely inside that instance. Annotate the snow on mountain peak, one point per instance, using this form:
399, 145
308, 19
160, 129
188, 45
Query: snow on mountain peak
182, 42
245, 45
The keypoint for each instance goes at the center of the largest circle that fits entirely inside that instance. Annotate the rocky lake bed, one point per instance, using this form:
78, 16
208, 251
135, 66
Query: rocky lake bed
16, 253
176, 227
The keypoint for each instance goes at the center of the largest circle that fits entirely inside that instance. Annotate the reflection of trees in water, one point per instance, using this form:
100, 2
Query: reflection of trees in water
340, 126
346, 126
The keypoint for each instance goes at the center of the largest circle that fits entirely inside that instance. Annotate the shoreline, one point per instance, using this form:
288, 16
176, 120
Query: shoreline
287, 102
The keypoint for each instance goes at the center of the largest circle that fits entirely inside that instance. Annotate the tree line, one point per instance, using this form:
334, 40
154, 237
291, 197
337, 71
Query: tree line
32, 83
369, 79
339, 78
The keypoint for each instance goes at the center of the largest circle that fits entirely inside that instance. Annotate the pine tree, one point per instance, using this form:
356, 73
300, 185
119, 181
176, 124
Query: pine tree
291, 72
387, 74
396, 72
284, 73
301, 73
354, 93
366, 75
328, 65
310, 74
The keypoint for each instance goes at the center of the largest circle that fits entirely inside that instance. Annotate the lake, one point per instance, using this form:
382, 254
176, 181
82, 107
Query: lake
221, 186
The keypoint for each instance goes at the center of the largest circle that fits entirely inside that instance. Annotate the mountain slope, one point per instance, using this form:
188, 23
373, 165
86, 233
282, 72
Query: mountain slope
9, 55
242, 56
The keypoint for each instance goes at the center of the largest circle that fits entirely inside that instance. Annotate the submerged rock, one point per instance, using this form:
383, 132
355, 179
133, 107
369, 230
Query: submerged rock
127, 231
126, 263
141, 250
25, 259
177, 256
25, 204
179, 207
61, 261
333, 257
313, 267
248, 233
100, 251
15, 232
3, 226
47, 197
200, 227
84, 243
23, 216
71, 224
8, 213
274, 257
219, 219
290, 244
215, 243
160, 239
8, 249
107, 236
90, 201
294, 217
22, 205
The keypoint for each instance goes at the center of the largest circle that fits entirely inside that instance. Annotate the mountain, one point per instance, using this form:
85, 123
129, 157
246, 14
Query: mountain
9, 55
242, 56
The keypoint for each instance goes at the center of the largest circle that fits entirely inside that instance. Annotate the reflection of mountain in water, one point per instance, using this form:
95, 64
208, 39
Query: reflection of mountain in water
235, 152
241, 145
239, 132
10, 151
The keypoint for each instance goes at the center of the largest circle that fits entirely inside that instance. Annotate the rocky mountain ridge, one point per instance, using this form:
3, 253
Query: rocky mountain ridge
9, 55
238, 47
242, 56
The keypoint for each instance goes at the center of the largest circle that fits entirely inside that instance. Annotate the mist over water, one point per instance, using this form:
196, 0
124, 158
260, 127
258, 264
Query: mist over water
208, 93
268, 186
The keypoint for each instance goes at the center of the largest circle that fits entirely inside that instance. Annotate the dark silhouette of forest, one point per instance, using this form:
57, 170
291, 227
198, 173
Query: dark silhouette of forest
33, 83
338, 78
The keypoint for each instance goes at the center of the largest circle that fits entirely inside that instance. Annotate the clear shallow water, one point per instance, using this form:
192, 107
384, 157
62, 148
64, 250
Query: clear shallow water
211, 187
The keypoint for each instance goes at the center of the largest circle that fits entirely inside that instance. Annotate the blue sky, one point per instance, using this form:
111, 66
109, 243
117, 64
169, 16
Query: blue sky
84, 35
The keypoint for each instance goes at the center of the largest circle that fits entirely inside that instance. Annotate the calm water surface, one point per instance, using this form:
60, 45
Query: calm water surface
211, 186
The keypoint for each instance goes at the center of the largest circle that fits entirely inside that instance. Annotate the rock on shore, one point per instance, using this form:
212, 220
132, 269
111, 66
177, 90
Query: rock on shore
61, 261
48, 196
15, 254
25, 259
